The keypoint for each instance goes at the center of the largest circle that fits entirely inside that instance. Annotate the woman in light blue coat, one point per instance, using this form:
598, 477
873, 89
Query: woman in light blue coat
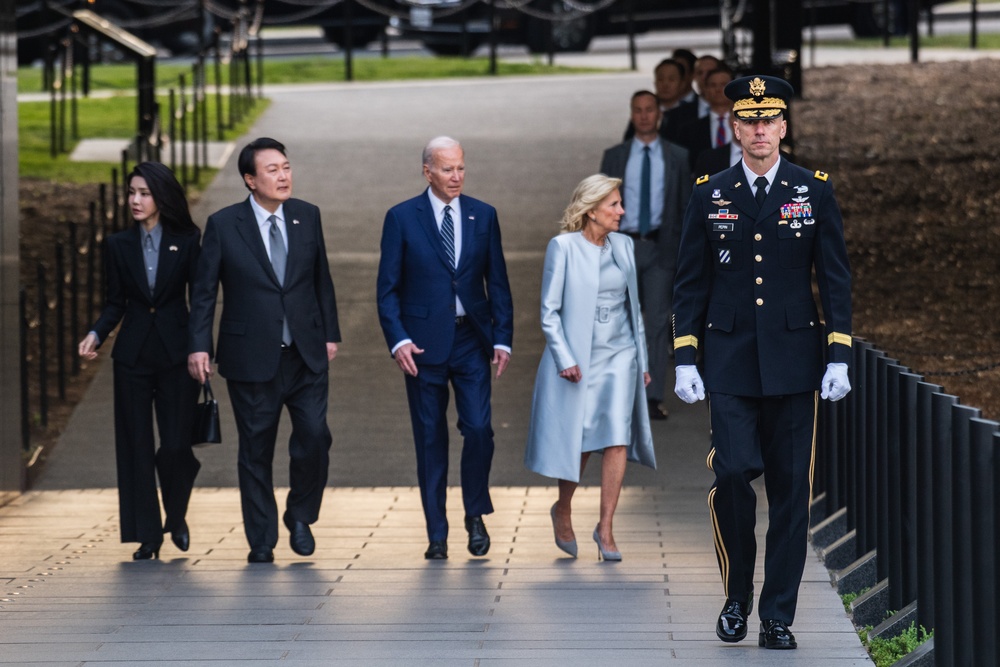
590, 391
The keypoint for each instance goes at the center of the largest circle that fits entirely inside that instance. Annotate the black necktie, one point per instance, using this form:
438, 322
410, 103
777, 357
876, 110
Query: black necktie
645, 191
761, 184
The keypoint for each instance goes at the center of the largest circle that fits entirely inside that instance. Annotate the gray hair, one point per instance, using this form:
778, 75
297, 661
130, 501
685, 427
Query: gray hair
438, 144
590, 192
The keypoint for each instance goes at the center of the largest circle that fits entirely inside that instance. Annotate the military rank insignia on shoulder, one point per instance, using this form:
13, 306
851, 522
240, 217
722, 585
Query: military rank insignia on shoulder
704, 179
821, 176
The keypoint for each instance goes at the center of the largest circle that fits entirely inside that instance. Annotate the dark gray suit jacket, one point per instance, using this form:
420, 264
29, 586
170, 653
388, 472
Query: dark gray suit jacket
676, 191
253, 302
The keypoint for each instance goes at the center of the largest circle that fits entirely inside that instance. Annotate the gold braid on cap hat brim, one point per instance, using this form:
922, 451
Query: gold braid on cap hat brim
765, 108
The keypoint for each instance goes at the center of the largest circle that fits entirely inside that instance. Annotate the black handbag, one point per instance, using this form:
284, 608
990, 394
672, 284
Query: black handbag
206, 419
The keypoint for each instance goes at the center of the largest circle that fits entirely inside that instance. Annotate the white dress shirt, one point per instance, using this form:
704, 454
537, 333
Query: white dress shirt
264, 225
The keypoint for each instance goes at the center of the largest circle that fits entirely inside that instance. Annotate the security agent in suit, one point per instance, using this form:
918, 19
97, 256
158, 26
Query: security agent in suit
445, 307
277, 334
150, 267
753, 235
653, 220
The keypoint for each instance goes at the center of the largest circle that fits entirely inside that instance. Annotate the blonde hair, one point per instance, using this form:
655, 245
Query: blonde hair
588, 194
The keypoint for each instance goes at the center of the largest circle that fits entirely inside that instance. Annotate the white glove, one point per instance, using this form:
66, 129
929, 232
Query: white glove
689, 387
835, 384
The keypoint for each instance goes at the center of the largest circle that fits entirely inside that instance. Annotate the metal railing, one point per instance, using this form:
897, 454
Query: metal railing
907, 502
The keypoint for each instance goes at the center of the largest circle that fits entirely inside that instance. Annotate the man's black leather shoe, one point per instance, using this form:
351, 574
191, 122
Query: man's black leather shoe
732, 625
775, 634
438, 550
261, 555
479, 539
300, 536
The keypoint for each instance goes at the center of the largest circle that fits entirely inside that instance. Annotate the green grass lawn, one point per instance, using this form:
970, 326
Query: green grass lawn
308, 70
97, 119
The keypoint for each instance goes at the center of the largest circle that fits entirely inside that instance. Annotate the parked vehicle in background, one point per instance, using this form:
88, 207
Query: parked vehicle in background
180, 26
444, 26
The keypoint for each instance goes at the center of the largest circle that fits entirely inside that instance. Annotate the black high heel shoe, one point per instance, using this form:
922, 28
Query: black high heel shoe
181, 537
147, 551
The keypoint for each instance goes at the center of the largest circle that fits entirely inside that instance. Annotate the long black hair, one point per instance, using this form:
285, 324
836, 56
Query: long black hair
168, 195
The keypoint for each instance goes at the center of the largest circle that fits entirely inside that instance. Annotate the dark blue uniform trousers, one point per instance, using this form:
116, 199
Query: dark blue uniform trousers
773, 436
468, 370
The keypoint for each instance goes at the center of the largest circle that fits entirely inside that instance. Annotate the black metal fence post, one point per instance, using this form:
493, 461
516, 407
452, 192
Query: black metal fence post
59, 286
944, 561
74, 293
22, 309
43, 351
983, 552
962, 526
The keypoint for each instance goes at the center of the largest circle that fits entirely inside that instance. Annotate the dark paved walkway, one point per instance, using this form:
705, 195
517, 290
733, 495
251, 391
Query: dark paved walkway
70, 596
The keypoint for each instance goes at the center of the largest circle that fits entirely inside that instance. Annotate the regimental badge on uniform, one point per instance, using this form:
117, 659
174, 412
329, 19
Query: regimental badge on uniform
716, 193
725, 257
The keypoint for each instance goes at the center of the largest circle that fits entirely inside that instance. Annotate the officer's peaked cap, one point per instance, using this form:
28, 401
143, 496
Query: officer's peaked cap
759, 96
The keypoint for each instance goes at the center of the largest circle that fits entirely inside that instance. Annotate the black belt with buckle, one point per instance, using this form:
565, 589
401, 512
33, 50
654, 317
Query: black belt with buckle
652, 235
460, 320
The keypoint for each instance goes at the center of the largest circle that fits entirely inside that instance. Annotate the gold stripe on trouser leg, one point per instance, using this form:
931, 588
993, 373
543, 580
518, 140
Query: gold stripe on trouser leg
812, 457
710, 458
720, 547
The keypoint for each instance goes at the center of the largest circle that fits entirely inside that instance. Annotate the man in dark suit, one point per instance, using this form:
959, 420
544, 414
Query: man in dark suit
445, 308
277, 335
715, 128
656, 181
669, 79
753, 236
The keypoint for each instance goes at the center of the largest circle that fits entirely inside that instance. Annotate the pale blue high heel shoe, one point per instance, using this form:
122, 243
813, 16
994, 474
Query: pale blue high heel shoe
570, 546
602, 552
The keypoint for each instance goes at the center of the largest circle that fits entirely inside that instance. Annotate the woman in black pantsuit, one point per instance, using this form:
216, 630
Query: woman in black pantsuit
150, 268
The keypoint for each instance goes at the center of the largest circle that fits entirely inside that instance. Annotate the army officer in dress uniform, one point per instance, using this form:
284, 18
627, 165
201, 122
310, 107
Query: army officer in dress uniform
752, 236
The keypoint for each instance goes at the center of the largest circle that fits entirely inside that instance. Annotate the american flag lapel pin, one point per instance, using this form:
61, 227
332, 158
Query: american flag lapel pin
295, 222
173, 248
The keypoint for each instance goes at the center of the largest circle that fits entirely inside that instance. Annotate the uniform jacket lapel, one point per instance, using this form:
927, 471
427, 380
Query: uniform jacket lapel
781, 190
738, 190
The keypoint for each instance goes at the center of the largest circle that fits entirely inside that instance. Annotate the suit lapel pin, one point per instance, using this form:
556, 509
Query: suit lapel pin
294, 221
173, 248
738, 184
472, 217
785, 183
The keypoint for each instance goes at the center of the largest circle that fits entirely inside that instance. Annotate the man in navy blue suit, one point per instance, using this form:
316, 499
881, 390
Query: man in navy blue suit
445, 308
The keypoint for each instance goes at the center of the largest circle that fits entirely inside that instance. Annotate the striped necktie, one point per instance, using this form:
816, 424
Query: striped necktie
448, 235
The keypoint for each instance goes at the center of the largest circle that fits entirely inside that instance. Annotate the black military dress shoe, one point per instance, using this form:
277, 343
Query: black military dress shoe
479, 539
437, 550
300, 536
181, 537
775, 634
732, 625
261, 555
